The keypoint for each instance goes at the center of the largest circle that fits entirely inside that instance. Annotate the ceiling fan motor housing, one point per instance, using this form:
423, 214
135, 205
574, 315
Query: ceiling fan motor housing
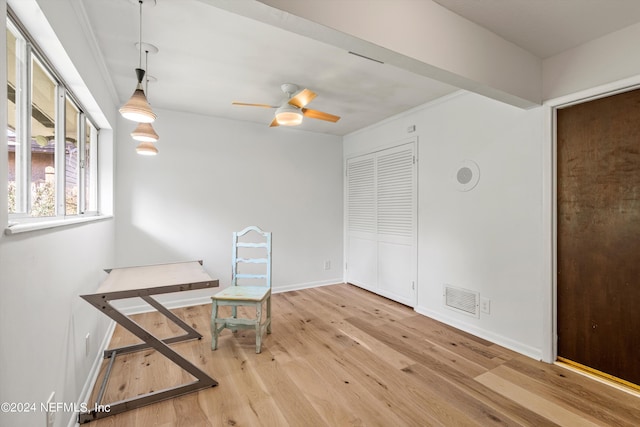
289, 89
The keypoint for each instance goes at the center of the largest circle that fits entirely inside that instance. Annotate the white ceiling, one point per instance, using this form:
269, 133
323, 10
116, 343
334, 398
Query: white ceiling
209, 57
548, 27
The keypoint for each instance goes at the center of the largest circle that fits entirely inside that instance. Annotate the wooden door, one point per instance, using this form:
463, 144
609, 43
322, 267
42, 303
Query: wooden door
598, 179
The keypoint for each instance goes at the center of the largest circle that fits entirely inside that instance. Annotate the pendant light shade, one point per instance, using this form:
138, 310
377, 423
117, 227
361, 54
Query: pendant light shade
138, 108
288, 115
145, 133
146, 149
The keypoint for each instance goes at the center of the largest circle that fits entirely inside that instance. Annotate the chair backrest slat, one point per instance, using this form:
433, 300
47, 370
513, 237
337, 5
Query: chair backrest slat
253, 260
251, 245
240, 257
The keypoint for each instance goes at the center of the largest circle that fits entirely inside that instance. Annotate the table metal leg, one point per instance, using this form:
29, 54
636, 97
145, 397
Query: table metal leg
191, 333
202, 379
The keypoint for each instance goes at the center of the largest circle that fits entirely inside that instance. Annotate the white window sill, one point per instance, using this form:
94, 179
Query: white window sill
42, 225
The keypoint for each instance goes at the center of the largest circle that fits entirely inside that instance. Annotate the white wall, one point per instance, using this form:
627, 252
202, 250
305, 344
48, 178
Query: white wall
43, 321
611, 58
488, 239
214, 176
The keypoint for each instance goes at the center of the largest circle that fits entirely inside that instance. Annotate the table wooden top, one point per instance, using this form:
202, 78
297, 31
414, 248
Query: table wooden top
149, 277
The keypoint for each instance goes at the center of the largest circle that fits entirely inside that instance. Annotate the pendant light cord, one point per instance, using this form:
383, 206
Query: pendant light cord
140, 35
146, 79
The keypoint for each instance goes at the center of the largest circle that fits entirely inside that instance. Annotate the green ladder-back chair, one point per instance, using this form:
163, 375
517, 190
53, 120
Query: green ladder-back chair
248, 255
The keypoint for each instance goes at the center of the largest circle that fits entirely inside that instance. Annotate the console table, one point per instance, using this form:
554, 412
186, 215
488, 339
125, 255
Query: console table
143, 282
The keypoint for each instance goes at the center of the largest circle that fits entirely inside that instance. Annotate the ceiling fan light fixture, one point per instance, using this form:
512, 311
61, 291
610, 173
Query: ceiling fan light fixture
288, 115
144, 132
146, 149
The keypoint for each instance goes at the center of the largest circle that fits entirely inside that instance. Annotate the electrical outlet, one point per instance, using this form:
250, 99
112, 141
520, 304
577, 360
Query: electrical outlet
51, 415
327, 265
485, 305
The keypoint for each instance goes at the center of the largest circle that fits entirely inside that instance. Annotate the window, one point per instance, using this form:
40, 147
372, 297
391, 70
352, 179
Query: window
71, 158
14, 77
89, 169
52, 150
42, 149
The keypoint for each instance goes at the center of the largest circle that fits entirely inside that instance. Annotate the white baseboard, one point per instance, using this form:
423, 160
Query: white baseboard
201, 300
299, 286
90, 382
518, 347
170, 304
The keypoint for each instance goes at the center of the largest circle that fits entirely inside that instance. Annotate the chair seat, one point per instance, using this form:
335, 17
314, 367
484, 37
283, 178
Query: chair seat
243, 293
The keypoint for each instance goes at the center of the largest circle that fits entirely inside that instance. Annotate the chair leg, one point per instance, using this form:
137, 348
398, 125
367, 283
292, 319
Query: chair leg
258, 327
269, 314
214, 327
234, 314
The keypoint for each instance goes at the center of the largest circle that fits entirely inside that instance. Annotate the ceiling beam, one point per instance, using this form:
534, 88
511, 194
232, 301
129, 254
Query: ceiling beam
418, 36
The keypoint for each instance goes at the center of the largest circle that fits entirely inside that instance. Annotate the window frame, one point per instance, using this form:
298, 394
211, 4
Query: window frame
27, 52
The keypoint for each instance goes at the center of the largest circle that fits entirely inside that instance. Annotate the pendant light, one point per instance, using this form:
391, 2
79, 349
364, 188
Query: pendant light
146, 149
144, 132
137, 108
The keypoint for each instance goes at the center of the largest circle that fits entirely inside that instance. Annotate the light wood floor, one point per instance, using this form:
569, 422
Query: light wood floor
341, 356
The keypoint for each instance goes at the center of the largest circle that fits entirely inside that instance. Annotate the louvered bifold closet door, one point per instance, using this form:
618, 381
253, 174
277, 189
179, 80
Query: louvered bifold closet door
381, 216
362, 252
396, 197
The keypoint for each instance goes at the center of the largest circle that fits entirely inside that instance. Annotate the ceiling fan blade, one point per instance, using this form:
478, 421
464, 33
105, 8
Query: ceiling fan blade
315, 114
302, 98
244, 104
274, 123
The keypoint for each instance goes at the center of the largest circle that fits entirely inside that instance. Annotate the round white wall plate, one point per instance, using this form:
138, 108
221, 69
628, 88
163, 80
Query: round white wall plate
467, 175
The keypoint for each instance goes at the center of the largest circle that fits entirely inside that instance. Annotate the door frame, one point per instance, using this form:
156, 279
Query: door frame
549, 202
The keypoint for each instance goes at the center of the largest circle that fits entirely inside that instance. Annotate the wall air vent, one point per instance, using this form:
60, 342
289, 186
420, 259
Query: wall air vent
462, 300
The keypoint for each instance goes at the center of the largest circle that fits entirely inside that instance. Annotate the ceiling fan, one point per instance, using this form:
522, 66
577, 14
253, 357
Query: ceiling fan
291, 111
